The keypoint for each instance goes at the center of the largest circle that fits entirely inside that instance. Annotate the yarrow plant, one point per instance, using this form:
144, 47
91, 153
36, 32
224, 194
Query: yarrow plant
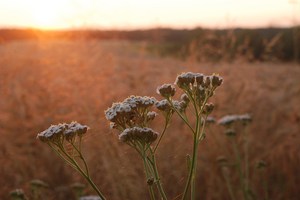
232, 123
132, 119
66, 141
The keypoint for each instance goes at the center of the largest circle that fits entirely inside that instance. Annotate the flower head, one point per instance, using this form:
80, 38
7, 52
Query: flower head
73, 129
163, 105
185, 80
56, 132
184, 97
142, 135
52, 133
133, 111
151, 115
245, 118
228, 120
210, 120
166, 90
216, 80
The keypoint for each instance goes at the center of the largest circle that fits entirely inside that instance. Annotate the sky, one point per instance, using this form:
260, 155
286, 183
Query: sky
133, 14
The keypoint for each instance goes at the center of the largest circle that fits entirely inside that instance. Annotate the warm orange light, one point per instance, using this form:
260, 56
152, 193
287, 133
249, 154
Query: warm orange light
48, 14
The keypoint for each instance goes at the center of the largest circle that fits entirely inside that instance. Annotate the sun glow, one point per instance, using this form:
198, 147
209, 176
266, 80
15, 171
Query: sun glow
48, 14
127, 14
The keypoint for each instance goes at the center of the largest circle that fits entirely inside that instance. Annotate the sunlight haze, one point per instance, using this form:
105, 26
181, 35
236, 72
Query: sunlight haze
130, 14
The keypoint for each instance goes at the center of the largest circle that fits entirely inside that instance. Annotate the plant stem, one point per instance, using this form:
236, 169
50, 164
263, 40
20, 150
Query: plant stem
148, 176
246, 149
78, 168
191, 171
228, 184
162, 134
239, 163
156, 175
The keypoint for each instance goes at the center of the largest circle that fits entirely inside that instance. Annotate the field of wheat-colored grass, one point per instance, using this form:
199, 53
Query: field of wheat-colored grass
48, 82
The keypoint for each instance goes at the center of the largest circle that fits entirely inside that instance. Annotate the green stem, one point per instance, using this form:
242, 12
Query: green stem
181, 116
228, 183
239, 163
82, 158
246, 149
162, 134
156, 175
191, 169
78, 168
148, 176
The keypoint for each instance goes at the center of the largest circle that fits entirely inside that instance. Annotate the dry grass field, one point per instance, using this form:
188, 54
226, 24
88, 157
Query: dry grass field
48, 82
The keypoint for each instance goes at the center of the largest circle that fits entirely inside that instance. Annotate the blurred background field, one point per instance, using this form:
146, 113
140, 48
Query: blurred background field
52, 77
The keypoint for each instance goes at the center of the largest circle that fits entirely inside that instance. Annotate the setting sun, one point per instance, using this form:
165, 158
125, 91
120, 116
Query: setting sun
123, 14
48, 14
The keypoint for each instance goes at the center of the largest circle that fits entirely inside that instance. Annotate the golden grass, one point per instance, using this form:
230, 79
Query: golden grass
47, 82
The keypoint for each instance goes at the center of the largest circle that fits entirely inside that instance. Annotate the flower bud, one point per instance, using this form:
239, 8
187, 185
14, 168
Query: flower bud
151, 115
185, 98
208, 108
199, 78
207, 82
216, 81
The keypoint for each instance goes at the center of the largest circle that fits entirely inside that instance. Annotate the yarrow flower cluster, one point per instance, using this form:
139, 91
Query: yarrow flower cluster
229, 120
166, 90
197, 88
66, 140
133, 111
55, 133
142, 135
190, 79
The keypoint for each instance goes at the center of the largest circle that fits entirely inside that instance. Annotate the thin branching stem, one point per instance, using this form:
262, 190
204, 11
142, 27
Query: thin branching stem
157, 177
148, 176
228, 183
168, 118
239, 167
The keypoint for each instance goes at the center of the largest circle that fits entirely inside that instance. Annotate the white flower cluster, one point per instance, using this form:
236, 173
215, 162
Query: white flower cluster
133, 111
190, 79
227, 120
57, 132
142, 135
166, 90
